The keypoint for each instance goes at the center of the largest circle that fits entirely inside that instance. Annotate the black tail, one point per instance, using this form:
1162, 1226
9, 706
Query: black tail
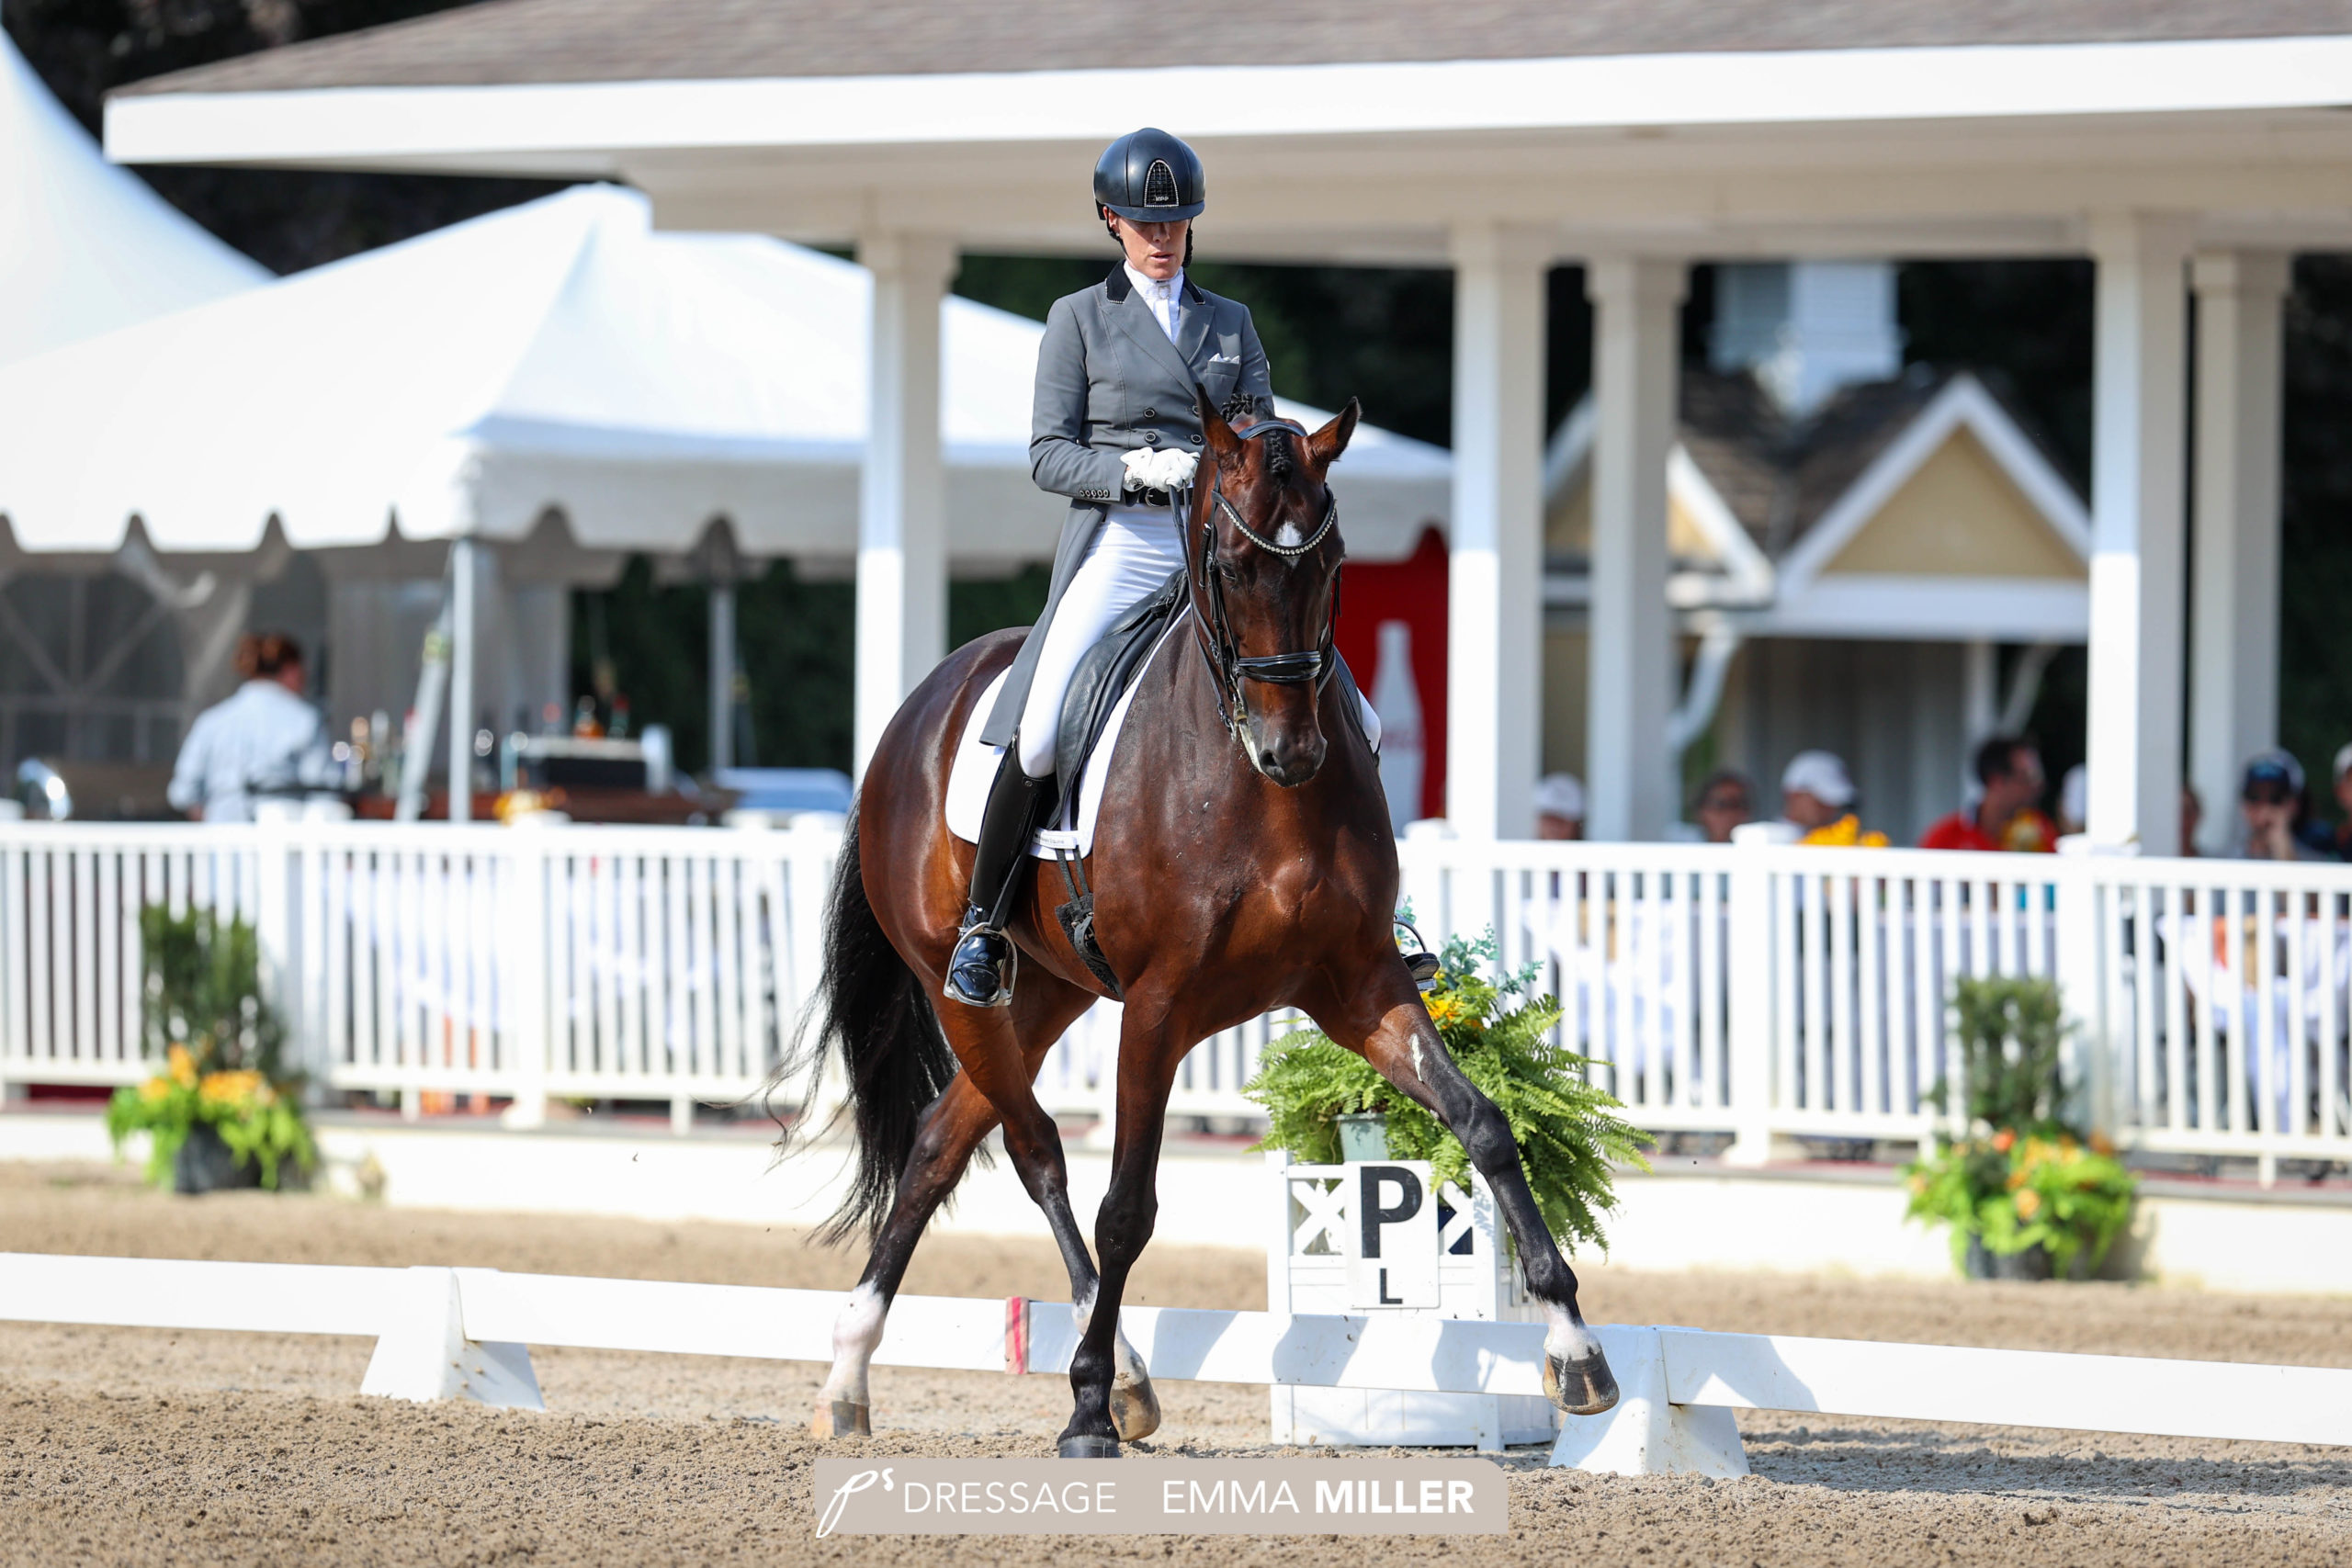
871, 1009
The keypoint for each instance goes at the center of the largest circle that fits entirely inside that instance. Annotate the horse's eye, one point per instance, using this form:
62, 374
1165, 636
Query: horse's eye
1226, 573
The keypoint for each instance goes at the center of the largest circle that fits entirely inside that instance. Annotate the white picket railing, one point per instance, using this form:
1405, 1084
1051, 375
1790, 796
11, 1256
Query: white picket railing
1767, 991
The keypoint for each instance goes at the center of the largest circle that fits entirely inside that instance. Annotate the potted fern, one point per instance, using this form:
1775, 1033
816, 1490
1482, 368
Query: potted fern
2029, 1195
223, 1112
1498, 1032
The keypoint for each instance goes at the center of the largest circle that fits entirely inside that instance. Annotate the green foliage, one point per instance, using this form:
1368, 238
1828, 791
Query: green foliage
2021, 1176
1499, 1033
2011, 1032
202, 991
204, 1018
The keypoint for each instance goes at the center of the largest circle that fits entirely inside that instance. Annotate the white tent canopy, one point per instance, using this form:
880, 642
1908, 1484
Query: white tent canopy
86, 247
557, 357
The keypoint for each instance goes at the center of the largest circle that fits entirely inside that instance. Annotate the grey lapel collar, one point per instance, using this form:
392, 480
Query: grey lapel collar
1126, 307
1193, 327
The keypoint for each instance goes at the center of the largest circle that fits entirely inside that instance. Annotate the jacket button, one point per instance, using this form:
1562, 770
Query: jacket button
1151, 438
1151, 413
1194, 439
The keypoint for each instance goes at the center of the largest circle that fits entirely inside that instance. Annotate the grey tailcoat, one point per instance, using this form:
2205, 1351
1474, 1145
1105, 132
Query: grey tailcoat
1108, 381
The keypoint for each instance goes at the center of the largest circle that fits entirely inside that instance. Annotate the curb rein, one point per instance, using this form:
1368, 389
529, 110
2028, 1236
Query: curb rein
1228, 667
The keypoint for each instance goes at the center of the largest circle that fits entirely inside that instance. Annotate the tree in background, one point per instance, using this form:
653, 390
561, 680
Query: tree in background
286, 220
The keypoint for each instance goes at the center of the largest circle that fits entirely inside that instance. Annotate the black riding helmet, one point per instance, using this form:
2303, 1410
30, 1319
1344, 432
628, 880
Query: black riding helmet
1150, 176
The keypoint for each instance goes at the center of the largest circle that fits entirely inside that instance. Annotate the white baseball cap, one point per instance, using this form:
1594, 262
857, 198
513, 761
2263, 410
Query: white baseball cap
1820, 774
1560, 795
2344, 760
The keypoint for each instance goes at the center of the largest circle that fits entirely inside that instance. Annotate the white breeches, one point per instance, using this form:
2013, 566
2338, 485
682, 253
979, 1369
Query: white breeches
1134, 552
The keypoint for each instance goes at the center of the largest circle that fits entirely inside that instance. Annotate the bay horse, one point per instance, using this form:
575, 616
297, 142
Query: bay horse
1242, 862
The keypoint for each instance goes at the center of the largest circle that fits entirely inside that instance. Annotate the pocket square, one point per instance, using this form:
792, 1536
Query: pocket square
1225, 359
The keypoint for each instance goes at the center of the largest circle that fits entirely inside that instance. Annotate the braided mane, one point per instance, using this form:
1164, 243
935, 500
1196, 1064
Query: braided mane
1278, 453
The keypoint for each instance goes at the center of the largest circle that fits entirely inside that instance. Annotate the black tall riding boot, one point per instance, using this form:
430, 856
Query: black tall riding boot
980, 972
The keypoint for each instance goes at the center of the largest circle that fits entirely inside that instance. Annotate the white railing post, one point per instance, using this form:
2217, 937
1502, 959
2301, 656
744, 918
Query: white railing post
527, 951
2091, 1043
275, 863
1749, 949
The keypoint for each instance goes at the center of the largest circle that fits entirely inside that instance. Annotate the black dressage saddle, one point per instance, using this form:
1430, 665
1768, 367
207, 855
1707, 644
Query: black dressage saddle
1103, 677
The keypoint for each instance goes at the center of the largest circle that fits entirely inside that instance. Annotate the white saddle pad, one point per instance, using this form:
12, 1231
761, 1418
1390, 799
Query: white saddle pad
976, 764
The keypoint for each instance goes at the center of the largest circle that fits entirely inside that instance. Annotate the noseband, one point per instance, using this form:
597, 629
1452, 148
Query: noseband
1226, 664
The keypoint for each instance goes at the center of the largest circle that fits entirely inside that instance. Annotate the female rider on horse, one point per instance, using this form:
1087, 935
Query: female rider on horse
1116, 430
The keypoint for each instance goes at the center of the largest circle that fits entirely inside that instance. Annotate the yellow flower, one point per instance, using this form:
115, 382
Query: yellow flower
1846, 832
158, 1088
231, 1088
2102, 1144
1448, 1007
2028, 1203
181, 1066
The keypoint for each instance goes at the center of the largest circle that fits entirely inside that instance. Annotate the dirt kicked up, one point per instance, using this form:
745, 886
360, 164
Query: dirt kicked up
139, 1447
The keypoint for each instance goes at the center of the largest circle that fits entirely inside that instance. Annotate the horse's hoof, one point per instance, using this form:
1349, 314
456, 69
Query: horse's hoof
1134, 1408
1085, 1445
842, 1418
1581, 1387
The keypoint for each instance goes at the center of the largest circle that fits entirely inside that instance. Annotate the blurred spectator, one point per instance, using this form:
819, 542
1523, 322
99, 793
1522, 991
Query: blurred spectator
2270, 809
2008, 769
1816, 798
1559, 807
1725, 801
2192, 818
264, 740
2342, 836
2074, 800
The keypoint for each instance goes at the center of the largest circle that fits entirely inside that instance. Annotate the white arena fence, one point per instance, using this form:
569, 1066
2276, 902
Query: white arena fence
1764, 991
466, 1334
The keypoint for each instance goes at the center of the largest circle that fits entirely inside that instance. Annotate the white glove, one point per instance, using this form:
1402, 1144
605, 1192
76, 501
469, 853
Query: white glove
1149, 468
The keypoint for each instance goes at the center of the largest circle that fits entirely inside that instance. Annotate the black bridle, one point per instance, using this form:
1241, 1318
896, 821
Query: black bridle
1226, 664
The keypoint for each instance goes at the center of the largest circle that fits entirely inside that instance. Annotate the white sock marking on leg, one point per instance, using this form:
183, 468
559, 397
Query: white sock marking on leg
857, 1334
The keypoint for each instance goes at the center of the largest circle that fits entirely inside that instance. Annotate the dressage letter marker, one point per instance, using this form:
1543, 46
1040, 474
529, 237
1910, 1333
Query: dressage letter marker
1392, 1246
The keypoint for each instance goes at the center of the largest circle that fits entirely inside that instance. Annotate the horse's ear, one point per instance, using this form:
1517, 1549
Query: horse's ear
1323, 447
1222, 442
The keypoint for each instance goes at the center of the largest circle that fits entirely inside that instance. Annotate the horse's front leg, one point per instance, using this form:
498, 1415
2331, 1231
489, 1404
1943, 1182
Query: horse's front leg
1110, 1388
1380, 1016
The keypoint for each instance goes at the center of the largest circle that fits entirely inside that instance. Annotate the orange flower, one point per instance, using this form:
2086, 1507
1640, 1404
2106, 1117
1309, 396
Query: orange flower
2005, 1140
2102, 1144
234, 1088
181, 1066
2028, 1203
158, 1088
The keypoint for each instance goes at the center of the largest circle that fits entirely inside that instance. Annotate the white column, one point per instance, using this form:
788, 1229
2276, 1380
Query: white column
1980, 703
901, 524
1494, 636
464, 557
1629, 792
2233, 583
2137, 493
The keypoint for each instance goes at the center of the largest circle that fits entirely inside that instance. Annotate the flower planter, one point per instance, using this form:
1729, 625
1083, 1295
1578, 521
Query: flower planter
2032, 1265
1363, 1136
204, 1164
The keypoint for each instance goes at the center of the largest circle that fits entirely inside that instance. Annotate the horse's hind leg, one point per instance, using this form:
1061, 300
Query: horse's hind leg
952, 1128
1383, 1019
